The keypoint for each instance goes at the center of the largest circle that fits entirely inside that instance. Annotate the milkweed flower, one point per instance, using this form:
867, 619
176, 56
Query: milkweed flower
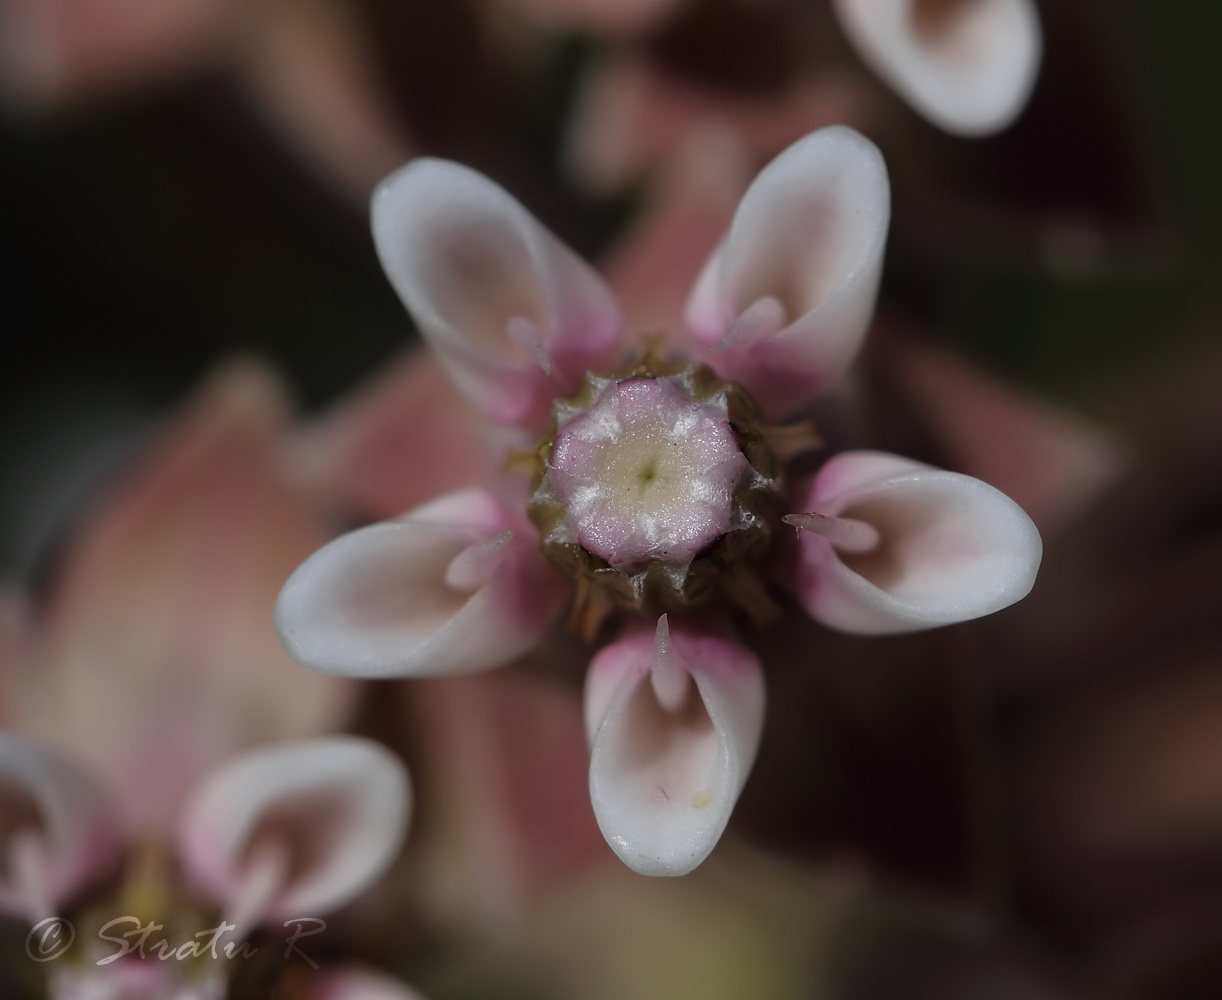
285, 833
651, 492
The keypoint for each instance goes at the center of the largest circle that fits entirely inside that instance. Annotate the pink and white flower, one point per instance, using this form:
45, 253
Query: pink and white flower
292, 830
656, 483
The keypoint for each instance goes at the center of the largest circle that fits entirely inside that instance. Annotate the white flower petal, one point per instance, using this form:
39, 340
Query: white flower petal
785, 299
674, 719
331, 812
966, 65
56, 832
445, 589
514, 315
952, 547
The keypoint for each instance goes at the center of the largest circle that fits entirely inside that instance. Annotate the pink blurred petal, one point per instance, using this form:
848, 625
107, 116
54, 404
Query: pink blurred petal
504, 792
56, 829
784, 302
157, 643
308, 65
689, 207
1053, 463
634, 115
966, 65
331, 812
399, 599
57, 50
952, 547
514, 316
674, 718
405, 438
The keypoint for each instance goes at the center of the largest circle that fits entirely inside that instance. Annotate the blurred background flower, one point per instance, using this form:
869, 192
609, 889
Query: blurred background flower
1023, 807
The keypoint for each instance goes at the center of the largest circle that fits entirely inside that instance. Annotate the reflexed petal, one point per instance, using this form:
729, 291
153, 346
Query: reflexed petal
514, 316
454, 586
689, 207
297, 829
56, 832
1053, 463
966, 65
407, 437
674, 719
633, 115
509, 824
783, 303
951, 547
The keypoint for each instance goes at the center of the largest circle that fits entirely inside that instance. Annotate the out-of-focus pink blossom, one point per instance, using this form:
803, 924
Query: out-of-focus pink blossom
634, 117
287, 832
305, 63
57, 831
1052, 462
503, 803
369, 453
298, 828
153, 657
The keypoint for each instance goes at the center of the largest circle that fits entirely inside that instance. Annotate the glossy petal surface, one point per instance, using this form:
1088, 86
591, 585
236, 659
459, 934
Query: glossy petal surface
454, 586
515, 317
950, 547
674, 718
783, 303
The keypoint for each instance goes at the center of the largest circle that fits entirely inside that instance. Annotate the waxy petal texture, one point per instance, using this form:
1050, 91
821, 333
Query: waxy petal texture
966, 65
784, 302
942, 547
454, 586
56, 832
515, 317
296, 830
674, 719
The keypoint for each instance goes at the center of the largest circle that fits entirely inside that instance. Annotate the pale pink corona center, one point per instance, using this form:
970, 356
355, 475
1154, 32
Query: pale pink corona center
647, 474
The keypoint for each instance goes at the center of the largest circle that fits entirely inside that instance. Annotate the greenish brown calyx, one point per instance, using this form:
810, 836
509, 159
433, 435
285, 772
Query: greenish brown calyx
654, 489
